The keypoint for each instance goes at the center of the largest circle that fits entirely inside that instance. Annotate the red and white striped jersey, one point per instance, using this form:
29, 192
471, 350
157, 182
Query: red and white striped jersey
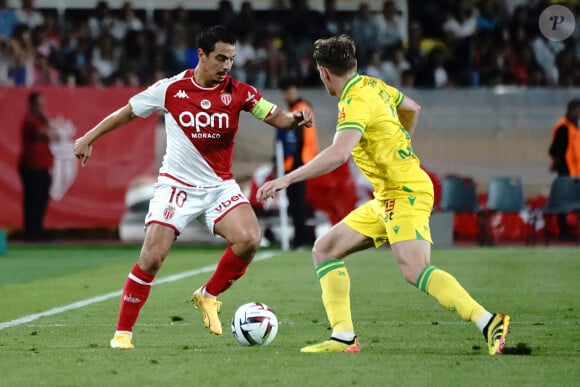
200, 123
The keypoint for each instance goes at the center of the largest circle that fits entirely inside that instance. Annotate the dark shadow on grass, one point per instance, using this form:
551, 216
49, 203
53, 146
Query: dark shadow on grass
519, 349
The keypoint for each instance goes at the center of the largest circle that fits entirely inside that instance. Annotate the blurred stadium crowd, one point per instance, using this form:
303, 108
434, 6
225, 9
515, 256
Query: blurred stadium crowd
442, 43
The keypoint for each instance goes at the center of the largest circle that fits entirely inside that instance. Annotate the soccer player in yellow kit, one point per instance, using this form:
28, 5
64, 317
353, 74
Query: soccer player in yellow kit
375, 124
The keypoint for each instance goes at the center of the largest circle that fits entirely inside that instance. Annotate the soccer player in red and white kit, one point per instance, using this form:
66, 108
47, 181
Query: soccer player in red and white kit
202, 108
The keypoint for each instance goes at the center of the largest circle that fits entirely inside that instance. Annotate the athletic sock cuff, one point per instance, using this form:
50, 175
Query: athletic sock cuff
424, 277
140, 276
328, 266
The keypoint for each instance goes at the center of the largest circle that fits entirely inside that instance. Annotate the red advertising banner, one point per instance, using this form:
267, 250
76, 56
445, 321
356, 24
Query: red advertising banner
81, 197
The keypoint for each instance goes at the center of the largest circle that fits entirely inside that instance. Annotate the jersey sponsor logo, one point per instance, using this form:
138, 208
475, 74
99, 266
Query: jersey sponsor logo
341, 115
224, 205
201, 120
181, 94
205, 104
226, 98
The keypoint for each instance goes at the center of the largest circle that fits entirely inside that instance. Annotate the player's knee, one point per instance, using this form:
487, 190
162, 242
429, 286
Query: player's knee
320, 252
248, 242
150, 261
411, 271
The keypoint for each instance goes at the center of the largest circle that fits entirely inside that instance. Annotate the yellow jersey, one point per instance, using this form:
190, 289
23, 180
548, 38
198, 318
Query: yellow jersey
384, 153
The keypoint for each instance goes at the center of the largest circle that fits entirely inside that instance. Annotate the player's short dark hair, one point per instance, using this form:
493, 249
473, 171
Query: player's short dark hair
336, 53
209, 36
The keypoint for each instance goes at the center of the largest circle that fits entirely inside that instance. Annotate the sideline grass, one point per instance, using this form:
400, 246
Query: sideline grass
407, 338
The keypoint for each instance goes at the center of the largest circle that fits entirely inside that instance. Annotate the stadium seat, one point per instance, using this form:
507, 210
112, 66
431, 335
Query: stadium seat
564, 198
458, 195
505, 195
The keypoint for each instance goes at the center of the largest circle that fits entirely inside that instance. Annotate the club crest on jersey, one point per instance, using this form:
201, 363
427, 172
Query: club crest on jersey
205, 104
168, 212
226, 98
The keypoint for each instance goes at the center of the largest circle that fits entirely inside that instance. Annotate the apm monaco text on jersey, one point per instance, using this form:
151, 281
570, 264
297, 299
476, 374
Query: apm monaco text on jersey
201, 124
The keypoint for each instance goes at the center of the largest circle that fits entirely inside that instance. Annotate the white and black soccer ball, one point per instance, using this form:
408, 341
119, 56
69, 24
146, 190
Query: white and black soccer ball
254, 323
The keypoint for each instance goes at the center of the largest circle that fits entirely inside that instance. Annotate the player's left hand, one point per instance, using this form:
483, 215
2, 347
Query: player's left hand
303, 117
269, 189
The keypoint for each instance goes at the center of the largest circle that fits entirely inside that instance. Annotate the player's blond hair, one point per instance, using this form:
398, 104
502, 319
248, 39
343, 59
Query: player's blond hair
336, 53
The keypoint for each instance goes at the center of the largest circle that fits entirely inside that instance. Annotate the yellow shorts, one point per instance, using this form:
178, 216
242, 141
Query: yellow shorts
393, 220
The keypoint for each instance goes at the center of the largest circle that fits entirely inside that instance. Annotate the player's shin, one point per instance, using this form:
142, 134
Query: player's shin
335, 284
229, 269
450, 294
135, 294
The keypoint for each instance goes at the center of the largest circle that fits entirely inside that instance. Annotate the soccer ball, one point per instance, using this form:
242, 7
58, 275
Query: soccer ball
254, 323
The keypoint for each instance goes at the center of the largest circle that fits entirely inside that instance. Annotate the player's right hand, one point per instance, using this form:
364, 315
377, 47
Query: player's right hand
82, 150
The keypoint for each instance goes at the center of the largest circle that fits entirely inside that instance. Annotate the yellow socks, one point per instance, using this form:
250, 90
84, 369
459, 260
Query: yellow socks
450, 294
335, 284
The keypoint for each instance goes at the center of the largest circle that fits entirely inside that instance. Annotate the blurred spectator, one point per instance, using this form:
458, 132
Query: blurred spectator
8, 20
101, 20
520, 25
391, 28
567, 67
247, 22
394, 66
415, 54
407, 79
374, 65
365, 32
248, 66
482, 42
28, 15
487, 19
5, 63
44, 74
545, 52
177, 49
301, 28
520, 65
300, 145
429, 14
565, 147
43, 44
333, 23
435, 73
564, 152
276, 61
128, 21
22, 52
461, 20
35, 165
460, 28
106, 57
226, 15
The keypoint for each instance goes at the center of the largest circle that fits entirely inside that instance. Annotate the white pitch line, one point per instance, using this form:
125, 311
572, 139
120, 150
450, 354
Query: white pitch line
104, 297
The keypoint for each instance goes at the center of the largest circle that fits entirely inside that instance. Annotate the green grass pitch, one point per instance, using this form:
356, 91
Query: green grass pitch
407, 338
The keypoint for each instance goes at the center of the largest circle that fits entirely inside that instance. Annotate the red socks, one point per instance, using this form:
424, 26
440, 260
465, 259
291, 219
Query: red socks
230, 267
135, 293
138, 285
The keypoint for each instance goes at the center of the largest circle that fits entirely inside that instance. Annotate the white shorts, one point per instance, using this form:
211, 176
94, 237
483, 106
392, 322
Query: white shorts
175, 205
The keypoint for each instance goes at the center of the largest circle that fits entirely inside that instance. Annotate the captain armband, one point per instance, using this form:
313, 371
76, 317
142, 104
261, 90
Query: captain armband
263, 109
